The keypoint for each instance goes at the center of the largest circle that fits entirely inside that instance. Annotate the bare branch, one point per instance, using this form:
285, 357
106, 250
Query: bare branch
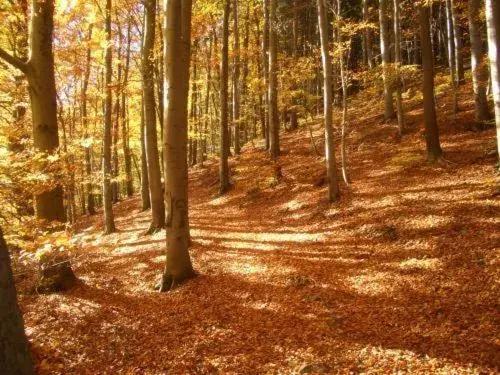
14, 61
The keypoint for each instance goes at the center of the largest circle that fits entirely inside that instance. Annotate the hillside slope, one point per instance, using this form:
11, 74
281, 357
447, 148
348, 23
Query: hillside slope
402, 274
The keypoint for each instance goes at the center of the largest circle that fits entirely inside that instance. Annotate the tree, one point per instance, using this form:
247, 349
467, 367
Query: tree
493, 26
236, 79
39, 70
398, 60
431, 129
265, 71
479, 67
331, 168
151, 141
386, 60
177, 38
274, 125
15, 357
107, 191
224, 133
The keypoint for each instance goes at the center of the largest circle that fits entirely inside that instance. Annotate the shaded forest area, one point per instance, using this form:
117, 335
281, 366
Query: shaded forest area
314, 184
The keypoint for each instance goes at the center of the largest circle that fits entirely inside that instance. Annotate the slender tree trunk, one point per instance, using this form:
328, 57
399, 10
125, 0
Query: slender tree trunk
451, 53
206, 120
493, 25
15, 356
457, 36
236, 78
107, 192
367, 40
331, 168
127, 161
265, 60
397, 60
386, 59
431, 128
145, 198
85, 125
479, 66
224, 134
151, 140
178, 265
274, 125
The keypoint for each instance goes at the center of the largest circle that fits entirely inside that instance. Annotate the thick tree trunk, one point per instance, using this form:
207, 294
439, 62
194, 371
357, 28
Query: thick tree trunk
107, 192
224, 133
386, 60
15, 356
49, 205
151, 140
274, 125
331, 168
236, 78
178, 265
431, 129
493, 25
479, 67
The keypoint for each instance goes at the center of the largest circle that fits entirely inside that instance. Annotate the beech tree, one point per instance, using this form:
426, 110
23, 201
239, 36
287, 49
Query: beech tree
151, 141
274, 126
430, 121
177, 39
493, 25
386, 59
15, 357
39, 70
107, 191
331, 167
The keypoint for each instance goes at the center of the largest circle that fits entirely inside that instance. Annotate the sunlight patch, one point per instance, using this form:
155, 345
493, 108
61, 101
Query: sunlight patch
413, 263
373, 284
249, 245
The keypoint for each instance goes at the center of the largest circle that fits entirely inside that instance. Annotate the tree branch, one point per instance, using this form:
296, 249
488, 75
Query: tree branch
14, 61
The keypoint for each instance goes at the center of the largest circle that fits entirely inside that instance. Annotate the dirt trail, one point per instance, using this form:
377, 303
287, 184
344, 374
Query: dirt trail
402, 274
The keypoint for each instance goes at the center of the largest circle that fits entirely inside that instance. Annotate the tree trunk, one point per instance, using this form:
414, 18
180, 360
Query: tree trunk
431, 129
107, 192
274, 125
224, 134
386, 60
493, 25
145, 198
367, 40
451, 53
49, 205
265, 60
127, 161
178, 265
397, 60
236, 79
151, 140
331, 168
15, 356
85, 124
479, 67
457, 39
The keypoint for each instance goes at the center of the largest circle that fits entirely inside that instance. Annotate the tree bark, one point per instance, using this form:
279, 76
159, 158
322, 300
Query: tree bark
452, 53
178, 265
107, 192
151, 140
479, 66
145, 198
431, 129
265, 60
397, 61
15, 356
331, 168
274, 125
224, 134
236, 78
39, 71
493, 26
386, 60
127, 159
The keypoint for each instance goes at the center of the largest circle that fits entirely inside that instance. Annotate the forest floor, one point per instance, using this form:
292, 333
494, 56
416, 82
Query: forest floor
401, 275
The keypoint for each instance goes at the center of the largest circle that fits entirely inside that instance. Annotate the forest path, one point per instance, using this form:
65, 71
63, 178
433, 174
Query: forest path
401, 274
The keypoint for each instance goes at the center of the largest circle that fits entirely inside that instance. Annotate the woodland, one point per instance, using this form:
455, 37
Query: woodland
249, 187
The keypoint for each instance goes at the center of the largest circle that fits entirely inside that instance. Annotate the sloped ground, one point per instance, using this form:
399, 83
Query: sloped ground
402, 274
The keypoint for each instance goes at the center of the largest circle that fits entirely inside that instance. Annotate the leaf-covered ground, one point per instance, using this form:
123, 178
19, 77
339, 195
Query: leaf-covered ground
401, 275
